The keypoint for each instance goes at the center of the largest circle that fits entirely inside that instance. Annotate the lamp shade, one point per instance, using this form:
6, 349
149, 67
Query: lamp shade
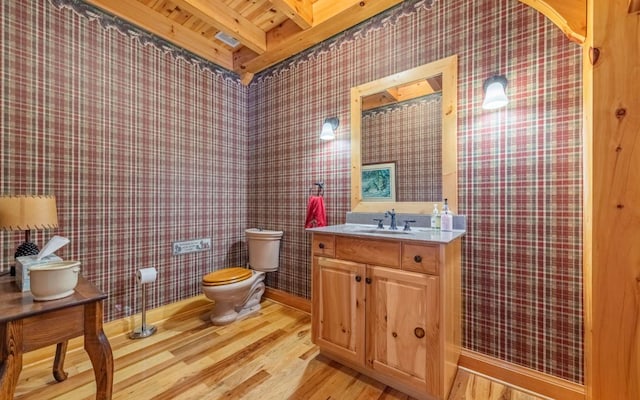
329, 128
21, 213
494, 93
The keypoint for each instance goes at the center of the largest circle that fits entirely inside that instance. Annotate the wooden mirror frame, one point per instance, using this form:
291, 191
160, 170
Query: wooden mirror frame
448, 68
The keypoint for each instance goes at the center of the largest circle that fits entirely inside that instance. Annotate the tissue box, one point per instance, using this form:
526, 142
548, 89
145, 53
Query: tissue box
22, 267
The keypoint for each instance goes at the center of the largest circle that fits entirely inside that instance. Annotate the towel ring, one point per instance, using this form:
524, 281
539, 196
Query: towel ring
319, 189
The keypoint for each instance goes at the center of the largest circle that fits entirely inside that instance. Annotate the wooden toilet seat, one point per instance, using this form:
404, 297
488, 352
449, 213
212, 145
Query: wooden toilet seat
226, 276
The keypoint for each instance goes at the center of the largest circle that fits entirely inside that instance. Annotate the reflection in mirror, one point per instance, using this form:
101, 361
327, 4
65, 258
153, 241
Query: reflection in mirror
405, 126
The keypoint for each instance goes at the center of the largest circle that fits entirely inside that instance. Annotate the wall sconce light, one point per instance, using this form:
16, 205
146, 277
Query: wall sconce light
494, 93
329, 128
24, 213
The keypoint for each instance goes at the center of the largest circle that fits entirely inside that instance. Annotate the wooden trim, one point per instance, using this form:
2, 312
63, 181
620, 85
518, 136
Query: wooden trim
520, 377
568, 15
330, 17
299, 11
157, 24
288, 299
193, 305
611, 229
587, 204
448, 68
224, 18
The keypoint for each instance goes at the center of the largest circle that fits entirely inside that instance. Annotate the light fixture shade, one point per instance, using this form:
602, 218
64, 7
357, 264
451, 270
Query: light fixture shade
494, 93
22, 213
329, 128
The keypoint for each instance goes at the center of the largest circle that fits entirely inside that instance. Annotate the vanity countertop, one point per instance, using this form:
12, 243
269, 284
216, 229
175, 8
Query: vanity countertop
415, 234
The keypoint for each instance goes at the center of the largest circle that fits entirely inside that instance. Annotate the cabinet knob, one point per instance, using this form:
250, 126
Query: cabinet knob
321, 245
417, 259
358, 278
394, 334
419, 332
368, 280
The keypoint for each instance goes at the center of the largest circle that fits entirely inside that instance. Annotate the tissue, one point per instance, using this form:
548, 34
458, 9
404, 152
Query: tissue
147, 275
52, 245
45, 256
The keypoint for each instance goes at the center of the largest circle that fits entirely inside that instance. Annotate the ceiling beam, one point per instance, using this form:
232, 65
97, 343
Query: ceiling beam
415, 90
324, 10
299, 11
138, 14
217, 14
377, 100
330, 18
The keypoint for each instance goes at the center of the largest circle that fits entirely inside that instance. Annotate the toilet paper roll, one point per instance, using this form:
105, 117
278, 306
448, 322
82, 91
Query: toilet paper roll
147, 275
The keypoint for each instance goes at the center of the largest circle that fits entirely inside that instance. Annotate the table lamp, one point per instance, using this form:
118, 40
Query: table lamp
24, 213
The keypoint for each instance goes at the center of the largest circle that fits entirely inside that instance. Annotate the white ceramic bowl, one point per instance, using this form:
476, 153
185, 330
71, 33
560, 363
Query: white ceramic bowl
54, 280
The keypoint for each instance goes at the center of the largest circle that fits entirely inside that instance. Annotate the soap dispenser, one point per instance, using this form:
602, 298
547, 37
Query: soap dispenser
435, 217
447, 217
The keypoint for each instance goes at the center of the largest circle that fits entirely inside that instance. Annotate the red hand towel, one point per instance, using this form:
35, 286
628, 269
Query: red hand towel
316, 214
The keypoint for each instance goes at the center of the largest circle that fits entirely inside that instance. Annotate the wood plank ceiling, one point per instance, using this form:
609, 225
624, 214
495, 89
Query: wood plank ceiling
267, 31
270, 31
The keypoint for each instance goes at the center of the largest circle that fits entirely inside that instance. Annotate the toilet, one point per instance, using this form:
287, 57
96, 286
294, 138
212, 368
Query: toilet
237, 291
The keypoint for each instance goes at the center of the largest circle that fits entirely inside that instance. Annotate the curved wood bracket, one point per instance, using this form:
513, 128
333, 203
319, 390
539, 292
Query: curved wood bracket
568, 15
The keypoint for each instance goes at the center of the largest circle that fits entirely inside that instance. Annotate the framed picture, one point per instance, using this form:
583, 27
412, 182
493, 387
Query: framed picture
379, 182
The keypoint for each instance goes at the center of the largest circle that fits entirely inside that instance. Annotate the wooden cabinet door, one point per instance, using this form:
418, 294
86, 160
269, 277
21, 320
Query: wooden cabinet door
403, 327
339, 307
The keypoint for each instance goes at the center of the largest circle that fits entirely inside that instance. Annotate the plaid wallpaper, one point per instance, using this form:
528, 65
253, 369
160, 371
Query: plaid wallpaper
143, 147
141, 150
409, 134
520, 171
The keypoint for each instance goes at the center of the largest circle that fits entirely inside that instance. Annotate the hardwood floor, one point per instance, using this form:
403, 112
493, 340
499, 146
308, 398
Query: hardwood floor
266, 357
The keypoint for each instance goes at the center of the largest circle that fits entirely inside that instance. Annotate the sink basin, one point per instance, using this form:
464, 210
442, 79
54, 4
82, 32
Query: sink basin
416, 234
382, 231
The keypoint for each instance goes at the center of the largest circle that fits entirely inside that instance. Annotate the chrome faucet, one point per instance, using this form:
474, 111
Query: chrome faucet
392, 214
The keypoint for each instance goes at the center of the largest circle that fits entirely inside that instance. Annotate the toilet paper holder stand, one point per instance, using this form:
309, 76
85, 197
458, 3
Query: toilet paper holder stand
144, 330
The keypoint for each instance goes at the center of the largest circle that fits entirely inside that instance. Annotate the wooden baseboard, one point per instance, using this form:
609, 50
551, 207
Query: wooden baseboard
288, 299
191, 306
523, 378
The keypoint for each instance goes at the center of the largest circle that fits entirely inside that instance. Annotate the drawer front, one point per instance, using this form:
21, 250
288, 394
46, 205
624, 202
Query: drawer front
369, 251
324, 245
52, 327
421, 258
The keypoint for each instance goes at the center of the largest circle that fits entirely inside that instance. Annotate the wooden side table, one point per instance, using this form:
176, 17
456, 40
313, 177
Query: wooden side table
26, 325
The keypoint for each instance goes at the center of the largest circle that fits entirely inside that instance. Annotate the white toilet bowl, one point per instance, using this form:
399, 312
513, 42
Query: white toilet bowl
237, 291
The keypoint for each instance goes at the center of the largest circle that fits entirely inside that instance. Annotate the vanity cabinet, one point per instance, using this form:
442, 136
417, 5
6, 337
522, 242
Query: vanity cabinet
340, 307
389, 309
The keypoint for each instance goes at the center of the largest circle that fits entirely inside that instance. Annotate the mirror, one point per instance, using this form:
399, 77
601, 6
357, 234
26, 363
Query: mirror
401, 130
404, 140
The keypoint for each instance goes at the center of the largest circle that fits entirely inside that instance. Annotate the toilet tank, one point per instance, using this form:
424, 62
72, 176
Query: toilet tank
264, 249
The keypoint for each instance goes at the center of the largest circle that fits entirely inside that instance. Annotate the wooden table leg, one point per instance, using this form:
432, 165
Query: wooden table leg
58, 362
97, 346
11, 353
